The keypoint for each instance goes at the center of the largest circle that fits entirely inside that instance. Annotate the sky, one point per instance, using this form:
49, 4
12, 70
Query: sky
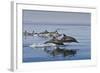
53, 17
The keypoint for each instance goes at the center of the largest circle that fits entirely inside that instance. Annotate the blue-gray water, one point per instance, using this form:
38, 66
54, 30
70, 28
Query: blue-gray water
80, 32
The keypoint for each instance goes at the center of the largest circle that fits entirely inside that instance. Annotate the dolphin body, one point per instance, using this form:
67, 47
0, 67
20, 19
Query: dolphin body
55, 41
68, 39
64, 39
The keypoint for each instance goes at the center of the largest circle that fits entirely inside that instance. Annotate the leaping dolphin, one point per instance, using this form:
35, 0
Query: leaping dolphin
64, 39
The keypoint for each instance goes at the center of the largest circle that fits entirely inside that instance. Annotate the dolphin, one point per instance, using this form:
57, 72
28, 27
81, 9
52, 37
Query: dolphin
64, 39
55, 41
68, 39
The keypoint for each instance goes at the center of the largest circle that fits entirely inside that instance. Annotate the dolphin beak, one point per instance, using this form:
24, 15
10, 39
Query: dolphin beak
77, 42
46, 42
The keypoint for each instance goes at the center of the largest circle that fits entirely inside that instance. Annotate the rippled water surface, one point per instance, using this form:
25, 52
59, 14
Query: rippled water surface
80, 32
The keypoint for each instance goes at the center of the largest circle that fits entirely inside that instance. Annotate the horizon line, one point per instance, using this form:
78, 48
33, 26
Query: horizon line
56, 24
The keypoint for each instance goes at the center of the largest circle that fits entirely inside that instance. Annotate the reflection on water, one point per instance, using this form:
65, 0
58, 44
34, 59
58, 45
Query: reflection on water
59, 51
70, 51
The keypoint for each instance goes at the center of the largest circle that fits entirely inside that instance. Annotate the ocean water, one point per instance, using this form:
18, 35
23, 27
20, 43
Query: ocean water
81, 32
